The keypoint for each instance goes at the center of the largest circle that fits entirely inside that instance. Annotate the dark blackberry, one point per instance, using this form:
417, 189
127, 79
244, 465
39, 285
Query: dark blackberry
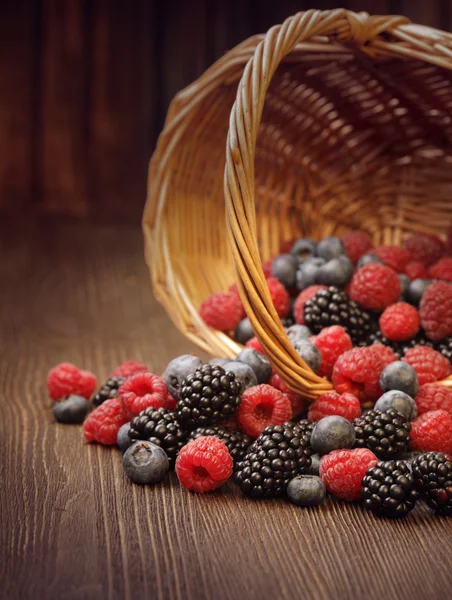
278, 455
236, 441
108, 390
388, 489
399, 348
208, 396
287, 321
444, 346
433, 479
159, 426
387, 433
333, 307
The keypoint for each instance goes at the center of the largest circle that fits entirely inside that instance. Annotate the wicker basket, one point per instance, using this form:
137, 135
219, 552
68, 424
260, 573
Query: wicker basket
333, 120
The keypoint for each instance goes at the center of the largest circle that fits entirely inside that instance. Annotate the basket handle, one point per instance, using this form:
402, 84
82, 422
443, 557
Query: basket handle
343, 26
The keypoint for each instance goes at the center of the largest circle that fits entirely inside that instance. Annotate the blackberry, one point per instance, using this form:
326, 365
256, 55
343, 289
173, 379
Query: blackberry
278, 455
333, 307
108, 390
287, 321
444, 346
387, 433
399, 348
388, 489
237, 442
208, 396
159, 426
433, 479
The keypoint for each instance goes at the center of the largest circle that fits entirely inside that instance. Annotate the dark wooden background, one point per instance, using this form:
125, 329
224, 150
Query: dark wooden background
85, 85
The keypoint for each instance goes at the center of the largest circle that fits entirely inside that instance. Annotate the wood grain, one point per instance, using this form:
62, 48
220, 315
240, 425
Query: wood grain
73, 527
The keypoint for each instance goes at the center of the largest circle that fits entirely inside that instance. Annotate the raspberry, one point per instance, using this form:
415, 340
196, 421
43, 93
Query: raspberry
432, 396
287, 246
442, 269
358, 372
449, 240
143, 390
103, 424
430, 365
385, 353
432, 432
436, 310
262, 405
204, 464
66, 379
297, 402
375, 287
302, 298
254, 343
394, 257
356, 244
235, 291
424, 247
326, 405
343, 470
400, 322
221, 311
279, 295
267, 267
332, 342
416, 270
128, 368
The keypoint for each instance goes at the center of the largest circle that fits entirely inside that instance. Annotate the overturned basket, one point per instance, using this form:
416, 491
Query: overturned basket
332, 121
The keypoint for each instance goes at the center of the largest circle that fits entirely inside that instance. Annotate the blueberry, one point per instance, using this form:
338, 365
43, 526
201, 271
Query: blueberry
367, 259
307, 273
306, 490
219, 362
404, 285
145, 462
257, 361
332, 433
244, 374
309, 353
244, 331
314, 469
304, 248
401, 376
284, 268
123, 440
398, 400
337, 271
297, 333
330, 247
178, 369
72, 410
417, 289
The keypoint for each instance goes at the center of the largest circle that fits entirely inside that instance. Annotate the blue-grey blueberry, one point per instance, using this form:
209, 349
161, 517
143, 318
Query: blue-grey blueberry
244, 374
145, 463
257, 361
244, 331
123, 439
337, 271
399, 401
309, 353
306, 490
284, 268
304, 248
332, 433
330, 247
399, 375
72, 410
178, 369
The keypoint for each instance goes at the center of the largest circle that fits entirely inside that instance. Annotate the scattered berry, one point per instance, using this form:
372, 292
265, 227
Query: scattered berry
216, 362
304, 248
255, 344
140, 391
123, 440
332, 433
257, 361
331, 403
356, 244
358, 372
244, 331
108, 390
309, 353
330, 247
267, 267
388, 489
442, 269
103, 424
297, 333
308, 272
222, 311
306, 490
297, 401
394, 257
399, 401
236, 441
261, 406
204, 464
314, 469
400, 322
279, 296
433, 397
400, 376
436, 310
284, 268
405, 285
432, 432
416, 290
424, 247
343, 470
367, 259
66, 379
416, 270
385, 353
337, 271
72, 410
128, 368
244, 374
375, 287
302, 298
145, 463
387, 433
332, 343
429, 364
433, 479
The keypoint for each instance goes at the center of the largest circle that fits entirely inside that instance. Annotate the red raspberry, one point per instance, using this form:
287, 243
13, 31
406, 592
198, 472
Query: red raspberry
424, 247
394, 257
400, 322
442, 269
432, 396
254, 343
343, 470
356, 244
449, 240
280, 296
286, 246
375, 287
103, 424
262, 405
385, 353
429, 364
332, 342
204, 464
303, 297
65, 379
297, 401
436, 310
128, 368
358, 372
328, 404
221, 311
140, 391
432, 432
267, 267
235, 290
416, 270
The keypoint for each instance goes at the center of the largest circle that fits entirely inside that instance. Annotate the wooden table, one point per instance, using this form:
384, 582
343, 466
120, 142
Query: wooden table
73, 526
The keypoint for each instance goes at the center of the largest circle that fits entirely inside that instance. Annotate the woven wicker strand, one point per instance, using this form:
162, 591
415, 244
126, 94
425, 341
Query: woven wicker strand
334, 120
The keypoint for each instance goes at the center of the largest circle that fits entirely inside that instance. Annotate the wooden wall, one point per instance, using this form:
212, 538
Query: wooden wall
85, 85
